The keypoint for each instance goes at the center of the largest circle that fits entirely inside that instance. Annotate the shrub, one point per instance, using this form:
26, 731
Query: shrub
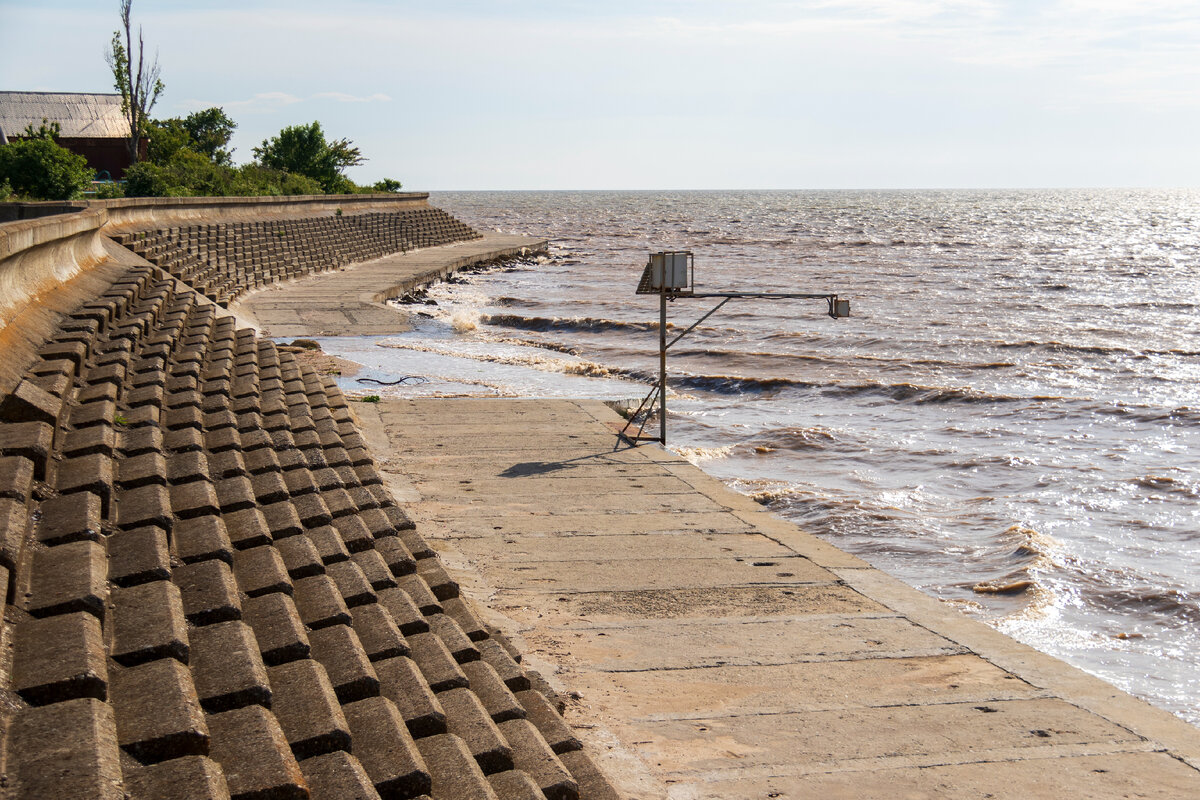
109, 190
43, 170
387, 185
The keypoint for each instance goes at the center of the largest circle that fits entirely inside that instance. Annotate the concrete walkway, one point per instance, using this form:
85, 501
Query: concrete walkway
350, 301
715, 651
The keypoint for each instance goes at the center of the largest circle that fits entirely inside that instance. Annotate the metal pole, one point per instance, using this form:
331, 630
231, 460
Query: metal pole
662, 365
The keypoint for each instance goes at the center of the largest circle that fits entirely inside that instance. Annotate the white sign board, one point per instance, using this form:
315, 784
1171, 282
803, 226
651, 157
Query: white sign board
669, 270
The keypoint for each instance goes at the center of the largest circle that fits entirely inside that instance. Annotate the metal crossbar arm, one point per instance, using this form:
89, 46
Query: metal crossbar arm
831, 299
692, 327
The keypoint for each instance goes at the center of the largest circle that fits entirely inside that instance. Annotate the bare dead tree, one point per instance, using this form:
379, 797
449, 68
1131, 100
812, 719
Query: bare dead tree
139, 88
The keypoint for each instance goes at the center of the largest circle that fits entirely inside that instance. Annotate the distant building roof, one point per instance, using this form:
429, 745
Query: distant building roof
95, 116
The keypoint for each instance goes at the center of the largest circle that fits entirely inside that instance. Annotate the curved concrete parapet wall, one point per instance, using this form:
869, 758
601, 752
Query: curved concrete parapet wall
41, 253
139, 213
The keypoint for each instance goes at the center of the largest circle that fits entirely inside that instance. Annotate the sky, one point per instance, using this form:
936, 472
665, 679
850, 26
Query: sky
671, 94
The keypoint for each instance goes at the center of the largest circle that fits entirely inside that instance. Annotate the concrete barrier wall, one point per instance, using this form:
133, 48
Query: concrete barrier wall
40, 253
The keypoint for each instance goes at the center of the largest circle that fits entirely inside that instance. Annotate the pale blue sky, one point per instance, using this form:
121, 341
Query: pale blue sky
664, 94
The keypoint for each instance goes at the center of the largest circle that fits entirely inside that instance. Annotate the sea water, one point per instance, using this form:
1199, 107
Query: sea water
1009, 420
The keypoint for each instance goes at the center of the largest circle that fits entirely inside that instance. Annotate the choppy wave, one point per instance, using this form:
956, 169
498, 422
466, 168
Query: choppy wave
570, 324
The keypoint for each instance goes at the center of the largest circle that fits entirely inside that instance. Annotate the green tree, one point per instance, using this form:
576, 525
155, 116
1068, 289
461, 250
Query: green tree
304, 149
139, 88
388, 185
205, 132
38, 167
211, 131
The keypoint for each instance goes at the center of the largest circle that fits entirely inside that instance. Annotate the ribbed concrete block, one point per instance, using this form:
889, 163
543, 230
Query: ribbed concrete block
281, 520
462, 613
416, 588
354, 533
397, 557
404, 611
352, 584
439, 668
533, 756
187, 778
380, 637
387, 752
70, 518
248, 528
66, 750
59, 658
209, 592
549, 722
188, 467
194, 499
16, 478
374, 568
260, 570
401, 681
307, 709
101, 440
592, 783
14, 521
300, 556
138, 556
339, 650
255, 756
453, 772
227, 667
468, 719
68, 578
145, 505
509, 670
456, 641
320, 603
497, 698
202, 539
515, 785
158, 713
148, 623
277, 628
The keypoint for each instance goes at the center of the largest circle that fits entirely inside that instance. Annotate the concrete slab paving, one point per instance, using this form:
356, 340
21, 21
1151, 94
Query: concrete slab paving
685, 644
657, 695
694, 673
575, 575
611, 544
730, 602
352, 299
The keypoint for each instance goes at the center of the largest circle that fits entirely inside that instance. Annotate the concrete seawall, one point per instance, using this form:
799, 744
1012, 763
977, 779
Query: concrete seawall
170, 469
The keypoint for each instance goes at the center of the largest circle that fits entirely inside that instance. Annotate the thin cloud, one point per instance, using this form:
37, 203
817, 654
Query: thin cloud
266, 102
342, 97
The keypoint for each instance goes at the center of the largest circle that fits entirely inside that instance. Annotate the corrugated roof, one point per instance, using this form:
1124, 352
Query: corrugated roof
85, 115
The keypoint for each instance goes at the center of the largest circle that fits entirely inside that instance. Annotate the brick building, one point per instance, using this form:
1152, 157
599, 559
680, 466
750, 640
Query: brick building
92, 125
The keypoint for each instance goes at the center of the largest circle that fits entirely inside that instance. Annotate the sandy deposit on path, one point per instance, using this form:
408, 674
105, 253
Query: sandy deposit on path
322, 363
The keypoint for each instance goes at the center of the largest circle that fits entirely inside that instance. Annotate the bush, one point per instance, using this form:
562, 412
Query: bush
189, 174
106, 191
145, 179
387, 185
40, 169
